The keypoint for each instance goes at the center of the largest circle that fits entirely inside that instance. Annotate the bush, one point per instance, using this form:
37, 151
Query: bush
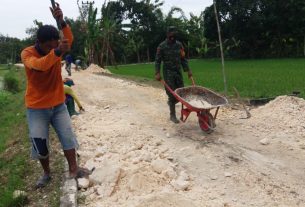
4, 98
11, 82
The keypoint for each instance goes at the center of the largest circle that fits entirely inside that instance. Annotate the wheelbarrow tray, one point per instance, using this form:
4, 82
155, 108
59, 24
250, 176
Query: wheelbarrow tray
198, 98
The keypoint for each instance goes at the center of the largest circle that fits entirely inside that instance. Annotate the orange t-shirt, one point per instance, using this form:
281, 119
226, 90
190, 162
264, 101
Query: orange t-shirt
44, 81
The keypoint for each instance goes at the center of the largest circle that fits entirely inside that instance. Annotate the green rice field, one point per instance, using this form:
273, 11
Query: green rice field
252, 78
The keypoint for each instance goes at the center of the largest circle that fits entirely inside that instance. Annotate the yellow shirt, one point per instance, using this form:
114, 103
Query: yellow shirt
68, 90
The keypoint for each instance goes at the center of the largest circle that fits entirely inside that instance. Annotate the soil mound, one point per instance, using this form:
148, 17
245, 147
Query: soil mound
97, 69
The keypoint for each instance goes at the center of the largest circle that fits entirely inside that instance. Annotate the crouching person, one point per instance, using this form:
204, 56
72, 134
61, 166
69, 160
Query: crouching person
45, 96
71, 97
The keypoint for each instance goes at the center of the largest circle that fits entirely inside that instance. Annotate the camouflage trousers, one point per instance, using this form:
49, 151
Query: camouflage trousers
174, 80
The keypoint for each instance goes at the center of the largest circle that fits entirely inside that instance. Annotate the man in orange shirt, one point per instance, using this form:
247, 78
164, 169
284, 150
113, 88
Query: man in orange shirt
45, 98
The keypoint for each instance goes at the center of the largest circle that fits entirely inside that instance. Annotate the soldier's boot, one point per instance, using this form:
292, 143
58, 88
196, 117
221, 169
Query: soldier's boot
172, 110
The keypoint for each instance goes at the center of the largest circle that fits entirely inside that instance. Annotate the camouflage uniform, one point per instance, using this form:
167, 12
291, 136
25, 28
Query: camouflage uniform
173, 57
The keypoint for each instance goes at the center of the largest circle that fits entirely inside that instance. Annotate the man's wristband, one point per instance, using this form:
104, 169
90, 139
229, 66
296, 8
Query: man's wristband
63, 24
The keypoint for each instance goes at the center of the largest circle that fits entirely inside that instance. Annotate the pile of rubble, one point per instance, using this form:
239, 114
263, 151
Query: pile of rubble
96, 69
283, 114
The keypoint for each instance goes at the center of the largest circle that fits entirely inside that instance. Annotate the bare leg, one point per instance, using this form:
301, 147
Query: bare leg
71, 158
45, 179
45, 163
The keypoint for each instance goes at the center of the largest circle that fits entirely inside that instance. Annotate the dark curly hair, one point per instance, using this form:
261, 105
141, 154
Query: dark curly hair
47, 33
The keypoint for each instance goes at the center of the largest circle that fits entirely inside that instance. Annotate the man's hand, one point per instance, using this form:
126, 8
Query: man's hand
158, 76
190, 74
57, 13
81, 109
63, 46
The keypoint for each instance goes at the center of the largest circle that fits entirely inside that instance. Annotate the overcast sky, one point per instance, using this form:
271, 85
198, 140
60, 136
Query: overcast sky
17, 15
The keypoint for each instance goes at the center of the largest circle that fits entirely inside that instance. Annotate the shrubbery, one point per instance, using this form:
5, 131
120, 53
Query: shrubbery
11, 82
4, 98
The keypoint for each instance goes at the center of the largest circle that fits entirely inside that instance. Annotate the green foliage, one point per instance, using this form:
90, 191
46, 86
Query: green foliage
12, 134
252, 78
11, 82
4, 98
10, 49
260, 28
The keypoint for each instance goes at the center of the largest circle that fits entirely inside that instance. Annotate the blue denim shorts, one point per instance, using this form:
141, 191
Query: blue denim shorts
39, 121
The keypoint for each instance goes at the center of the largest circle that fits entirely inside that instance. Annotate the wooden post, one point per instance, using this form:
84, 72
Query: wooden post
221, 50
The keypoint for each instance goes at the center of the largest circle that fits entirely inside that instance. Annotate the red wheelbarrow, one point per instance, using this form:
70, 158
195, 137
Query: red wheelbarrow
200, 100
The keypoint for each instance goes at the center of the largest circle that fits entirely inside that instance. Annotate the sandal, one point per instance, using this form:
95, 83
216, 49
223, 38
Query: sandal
43, 181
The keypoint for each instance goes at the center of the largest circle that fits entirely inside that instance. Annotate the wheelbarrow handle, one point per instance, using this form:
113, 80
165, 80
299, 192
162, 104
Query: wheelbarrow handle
192, 79
167, 87
171, 90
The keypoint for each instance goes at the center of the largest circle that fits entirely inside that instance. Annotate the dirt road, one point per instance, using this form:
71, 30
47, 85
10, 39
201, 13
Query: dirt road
142, 159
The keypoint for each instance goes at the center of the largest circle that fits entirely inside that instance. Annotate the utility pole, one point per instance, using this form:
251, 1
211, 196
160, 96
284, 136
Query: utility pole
221, 50
87, 3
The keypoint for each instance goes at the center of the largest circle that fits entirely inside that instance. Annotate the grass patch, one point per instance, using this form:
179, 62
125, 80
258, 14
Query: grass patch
252, 78
17, 170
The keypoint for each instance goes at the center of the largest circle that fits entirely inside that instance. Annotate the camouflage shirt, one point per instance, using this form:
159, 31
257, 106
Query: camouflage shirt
172, 55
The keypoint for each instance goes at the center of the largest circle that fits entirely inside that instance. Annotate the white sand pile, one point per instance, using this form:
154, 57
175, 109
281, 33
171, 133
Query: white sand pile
97, 69
200, 103
284, 114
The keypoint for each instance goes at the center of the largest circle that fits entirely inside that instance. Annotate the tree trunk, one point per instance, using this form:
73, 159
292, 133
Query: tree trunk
112, 58
148, 55
102, 54
138, 56
124, 59
91, 58
107, 51
304, 47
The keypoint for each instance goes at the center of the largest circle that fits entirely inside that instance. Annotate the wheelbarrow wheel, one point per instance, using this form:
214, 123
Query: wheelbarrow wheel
206, 122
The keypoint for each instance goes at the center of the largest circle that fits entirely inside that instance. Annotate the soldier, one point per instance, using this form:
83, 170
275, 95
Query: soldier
171, 52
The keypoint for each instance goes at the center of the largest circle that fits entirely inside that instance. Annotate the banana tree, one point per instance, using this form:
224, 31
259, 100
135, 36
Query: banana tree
93, 33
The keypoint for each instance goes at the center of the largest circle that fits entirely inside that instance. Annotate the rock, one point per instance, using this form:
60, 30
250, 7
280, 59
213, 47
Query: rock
147, 157
100, 151
160, 165
19, 193
88, 192
106, 177
136, 160
170, 173
180, 184
91, 197
184, 176
158, 143
264, 141
83, 183
214, 177
167, 135
228, 174
136, 182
